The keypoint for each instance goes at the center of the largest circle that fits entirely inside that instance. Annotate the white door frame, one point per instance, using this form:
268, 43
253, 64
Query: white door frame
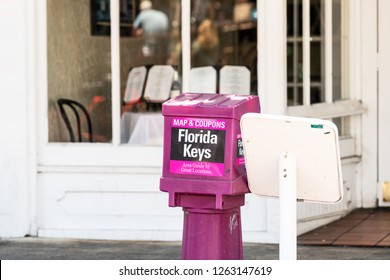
369, 96
383, 98
17, 119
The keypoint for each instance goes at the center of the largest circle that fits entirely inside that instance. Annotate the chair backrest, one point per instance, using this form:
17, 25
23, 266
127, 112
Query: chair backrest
76, 108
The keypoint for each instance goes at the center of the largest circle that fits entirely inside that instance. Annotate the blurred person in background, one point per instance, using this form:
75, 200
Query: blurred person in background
205, 46
150, 21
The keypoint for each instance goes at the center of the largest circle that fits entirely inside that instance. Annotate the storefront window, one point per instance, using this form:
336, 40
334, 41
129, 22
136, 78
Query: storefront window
80, 67
78, 70
150, 71
224, 39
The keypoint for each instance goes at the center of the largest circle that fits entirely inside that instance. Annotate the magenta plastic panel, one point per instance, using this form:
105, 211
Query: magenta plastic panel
212, 235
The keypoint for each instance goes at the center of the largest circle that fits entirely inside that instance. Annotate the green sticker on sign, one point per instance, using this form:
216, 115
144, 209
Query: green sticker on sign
320, 126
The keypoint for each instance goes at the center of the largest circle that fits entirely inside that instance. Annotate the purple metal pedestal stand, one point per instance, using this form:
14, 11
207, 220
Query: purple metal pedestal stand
211, 234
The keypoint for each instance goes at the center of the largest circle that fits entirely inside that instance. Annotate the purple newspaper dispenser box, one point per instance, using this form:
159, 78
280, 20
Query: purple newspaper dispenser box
204, 170
203, 151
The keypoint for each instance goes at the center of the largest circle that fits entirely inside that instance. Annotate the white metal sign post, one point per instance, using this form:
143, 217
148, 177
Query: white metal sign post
288, 206
291, 158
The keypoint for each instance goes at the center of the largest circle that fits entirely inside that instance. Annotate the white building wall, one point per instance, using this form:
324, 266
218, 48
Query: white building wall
126, 205
369, 96
15, 153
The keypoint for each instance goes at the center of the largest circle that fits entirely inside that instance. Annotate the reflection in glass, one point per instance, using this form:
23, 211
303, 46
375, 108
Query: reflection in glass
225, 33
78, 69
79, 58
205, 46
155, 45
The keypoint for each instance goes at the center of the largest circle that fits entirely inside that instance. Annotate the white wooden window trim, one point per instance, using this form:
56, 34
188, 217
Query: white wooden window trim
295, 52
306, 50
115, 71
186, 44
337, 109
328, 52
306, 39
347, 147
272, 59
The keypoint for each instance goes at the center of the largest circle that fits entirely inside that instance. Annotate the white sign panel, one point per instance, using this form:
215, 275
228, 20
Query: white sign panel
158, 85
203, 80
135, 84
235, 80
312, 142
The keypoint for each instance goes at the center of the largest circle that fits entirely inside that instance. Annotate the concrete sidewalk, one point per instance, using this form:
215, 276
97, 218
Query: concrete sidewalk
68, 249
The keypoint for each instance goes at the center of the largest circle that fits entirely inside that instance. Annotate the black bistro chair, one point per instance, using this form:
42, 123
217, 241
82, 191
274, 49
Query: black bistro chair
79, 111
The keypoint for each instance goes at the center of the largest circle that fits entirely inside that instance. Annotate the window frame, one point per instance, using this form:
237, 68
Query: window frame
329, 108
